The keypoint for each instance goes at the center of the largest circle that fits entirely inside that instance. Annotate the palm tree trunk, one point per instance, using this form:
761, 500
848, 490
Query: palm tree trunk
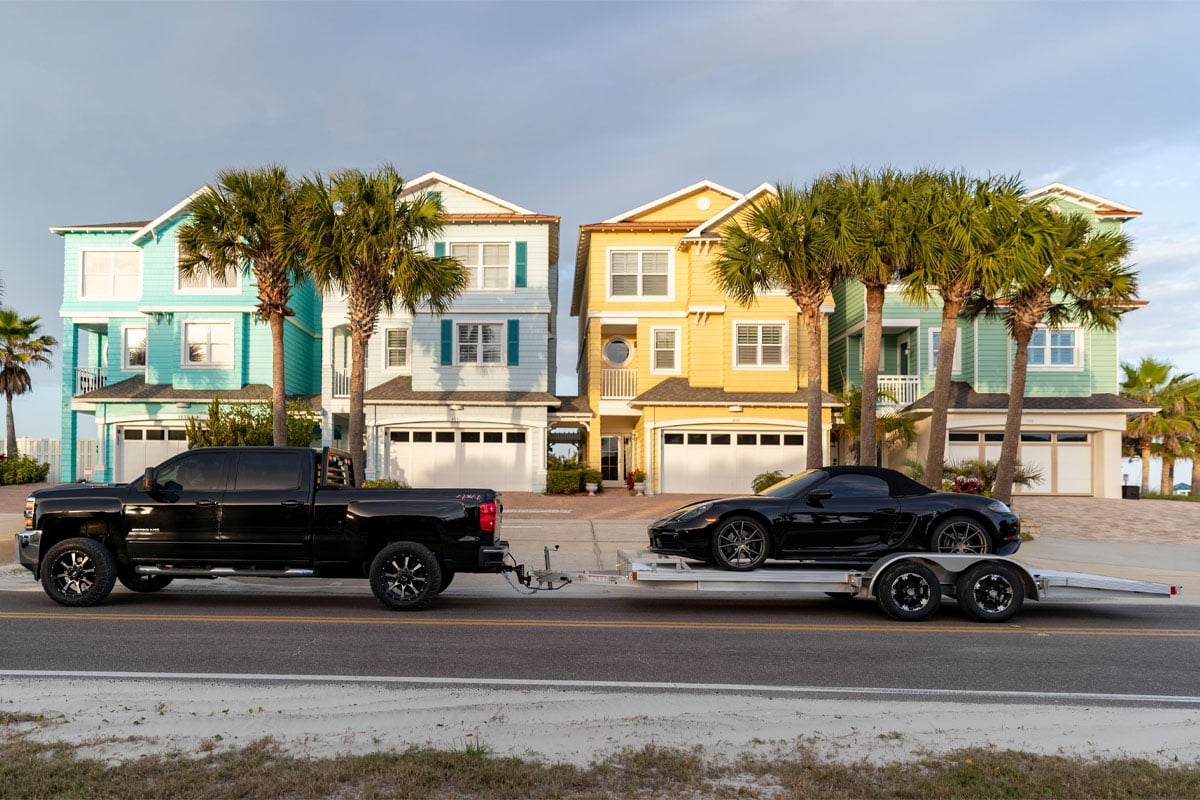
278, 384
1146, 466
815, 456
1007, 468
1195, 490
947, 340
10, 428
1167, 482
872, 338
358, 386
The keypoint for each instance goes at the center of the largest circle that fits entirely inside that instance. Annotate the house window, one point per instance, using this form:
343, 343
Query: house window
480, 343
1054, 348
665, 357
202, 281
638, 273
396, 343
490, 264
759, 345
111, 275
935, 336
207, 344
618, 352
133, 349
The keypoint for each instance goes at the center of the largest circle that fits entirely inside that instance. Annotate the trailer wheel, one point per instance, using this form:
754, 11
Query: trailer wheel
136, 582
740, 544
909, 592
990, 592
405, 576
79, 572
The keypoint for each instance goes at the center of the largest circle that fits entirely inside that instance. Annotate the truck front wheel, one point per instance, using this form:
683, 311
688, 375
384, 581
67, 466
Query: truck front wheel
136, 582
405, 576
78, 572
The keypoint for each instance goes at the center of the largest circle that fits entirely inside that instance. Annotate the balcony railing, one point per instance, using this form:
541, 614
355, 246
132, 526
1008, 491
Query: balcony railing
905, 388
618, 384
89, 379
341, 383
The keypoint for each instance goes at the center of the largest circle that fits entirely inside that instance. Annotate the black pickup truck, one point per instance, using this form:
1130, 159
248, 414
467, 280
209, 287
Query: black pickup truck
274, 512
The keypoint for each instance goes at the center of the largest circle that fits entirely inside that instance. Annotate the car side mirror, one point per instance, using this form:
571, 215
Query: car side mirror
817, 495
148, 482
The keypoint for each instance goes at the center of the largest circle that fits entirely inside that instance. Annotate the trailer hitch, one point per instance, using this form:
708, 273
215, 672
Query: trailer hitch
547, 579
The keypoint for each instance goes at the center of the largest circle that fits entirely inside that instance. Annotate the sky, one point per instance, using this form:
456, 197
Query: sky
116, 111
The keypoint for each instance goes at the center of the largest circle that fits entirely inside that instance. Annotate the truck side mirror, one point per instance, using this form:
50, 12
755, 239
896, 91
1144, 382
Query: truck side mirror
148, 480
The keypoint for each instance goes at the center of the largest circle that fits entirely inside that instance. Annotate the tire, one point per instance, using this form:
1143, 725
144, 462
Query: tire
960, 535
78, 572
990, 592
740, 544
909, 592
405, 576
447, 577
144, 583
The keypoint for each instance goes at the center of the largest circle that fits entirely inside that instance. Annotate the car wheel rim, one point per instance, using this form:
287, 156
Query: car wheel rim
910, 591
405, 578
962, 537
74, 573
742, 543
993, 593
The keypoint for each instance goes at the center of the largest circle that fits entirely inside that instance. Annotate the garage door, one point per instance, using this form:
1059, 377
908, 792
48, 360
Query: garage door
1064, 458
726, 462
138, 448
488, 459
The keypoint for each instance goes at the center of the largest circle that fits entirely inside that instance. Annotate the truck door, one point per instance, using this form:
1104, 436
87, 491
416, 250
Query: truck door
179, 520
266, 516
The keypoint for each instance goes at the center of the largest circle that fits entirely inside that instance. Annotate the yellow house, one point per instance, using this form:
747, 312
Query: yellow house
683, 383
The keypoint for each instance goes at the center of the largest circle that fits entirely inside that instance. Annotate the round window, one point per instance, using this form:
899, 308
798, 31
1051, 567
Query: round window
618, 352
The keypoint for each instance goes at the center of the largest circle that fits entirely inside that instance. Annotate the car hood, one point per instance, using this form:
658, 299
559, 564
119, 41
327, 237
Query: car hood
683, 511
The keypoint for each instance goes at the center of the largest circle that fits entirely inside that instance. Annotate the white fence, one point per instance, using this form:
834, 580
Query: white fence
49, 451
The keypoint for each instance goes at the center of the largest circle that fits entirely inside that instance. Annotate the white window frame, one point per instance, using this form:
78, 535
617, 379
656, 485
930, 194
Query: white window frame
678, 334
476, 284
387, 349
1077, 350
931, 367
458, 327
125, 365
627, 363
640, 297
209, 288
185, 346
111, 296
785, 345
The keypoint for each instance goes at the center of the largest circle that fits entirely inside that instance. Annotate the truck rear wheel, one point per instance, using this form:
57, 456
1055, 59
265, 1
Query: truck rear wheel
405, 576
909, 591
78, 572
990, 592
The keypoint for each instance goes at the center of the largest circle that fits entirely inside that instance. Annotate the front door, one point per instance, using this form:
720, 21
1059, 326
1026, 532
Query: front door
610, 458
904, 357
178, 521
267, 509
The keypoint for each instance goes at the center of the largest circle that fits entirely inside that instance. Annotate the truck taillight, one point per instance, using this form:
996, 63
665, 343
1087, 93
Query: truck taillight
487, 517
29, 505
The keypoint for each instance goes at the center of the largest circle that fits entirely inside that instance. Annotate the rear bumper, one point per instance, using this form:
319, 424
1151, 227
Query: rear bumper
491, 557
29, 547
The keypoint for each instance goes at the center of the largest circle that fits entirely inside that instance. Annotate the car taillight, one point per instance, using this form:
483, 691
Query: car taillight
29, 506
487, 517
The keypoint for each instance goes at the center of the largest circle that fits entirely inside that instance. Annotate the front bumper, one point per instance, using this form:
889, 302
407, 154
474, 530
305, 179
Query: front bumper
29, 548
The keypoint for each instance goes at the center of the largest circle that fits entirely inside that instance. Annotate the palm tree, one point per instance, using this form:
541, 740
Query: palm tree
973, 223
20, 347
1069, 273
358, 236
240, 225
782, 243
1177, 396
891, 429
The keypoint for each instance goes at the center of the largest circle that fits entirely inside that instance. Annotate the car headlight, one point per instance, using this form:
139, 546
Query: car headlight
998, 507
692, 513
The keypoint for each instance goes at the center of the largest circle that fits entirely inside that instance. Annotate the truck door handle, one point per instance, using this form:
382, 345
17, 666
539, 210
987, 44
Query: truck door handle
206, 501
290, 503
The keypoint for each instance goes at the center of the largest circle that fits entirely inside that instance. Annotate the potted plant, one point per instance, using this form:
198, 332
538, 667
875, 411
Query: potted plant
636, 481
592, 480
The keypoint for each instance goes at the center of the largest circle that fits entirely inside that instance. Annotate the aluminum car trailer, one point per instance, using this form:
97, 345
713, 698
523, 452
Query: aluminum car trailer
907, 586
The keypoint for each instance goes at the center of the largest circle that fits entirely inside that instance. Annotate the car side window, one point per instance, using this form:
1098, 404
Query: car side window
266, 472
850, 485
197, 472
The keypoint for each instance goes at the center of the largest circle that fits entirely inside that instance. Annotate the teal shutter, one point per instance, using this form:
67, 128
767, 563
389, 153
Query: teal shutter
439, 249
522, 263
514, 342
447, 341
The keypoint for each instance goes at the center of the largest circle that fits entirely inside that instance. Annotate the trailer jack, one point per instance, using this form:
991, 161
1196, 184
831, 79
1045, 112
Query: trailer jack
547, 579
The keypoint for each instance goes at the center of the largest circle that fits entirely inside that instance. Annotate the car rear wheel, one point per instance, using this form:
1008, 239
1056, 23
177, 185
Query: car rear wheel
740, 544
79, 572
961, 535
990, 592
405, 576
909, 591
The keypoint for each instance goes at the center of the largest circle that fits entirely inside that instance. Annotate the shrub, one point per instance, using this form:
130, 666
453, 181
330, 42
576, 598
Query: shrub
385, 483
250, 424
594, 476
22, 469
766, 480
564, 481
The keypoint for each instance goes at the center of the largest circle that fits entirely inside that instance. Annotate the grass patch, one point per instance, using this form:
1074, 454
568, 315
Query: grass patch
1184, 498
30, 769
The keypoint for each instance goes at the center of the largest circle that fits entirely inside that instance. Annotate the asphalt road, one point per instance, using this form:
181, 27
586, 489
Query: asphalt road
481, 630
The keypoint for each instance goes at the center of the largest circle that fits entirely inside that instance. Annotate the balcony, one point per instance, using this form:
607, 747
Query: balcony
618, 384
341, 383
89, 379
905, 388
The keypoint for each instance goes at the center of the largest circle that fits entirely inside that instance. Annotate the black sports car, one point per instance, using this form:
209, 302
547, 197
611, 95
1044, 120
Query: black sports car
836, 515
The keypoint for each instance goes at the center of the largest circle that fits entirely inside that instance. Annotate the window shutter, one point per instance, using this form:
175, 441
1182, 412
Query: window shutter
522, 263
514, 342
447, 341
439, 249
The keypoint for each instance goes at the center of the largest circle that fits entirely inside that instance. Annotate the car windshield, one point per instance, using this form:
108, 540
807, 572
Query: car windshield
798, 484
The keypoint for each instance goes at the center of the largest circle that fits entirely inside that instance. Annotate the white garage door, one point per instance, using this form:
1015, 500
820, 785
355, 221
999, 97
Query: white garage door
138, 448
482, 459
726, 462
1064, 457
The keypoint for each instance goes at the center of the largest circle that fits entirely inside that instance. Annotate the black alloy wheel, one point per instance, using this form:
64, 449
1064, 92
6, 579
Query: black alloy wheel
909, 591
990, 592
405, 576
78, 572
740, 544
961, 535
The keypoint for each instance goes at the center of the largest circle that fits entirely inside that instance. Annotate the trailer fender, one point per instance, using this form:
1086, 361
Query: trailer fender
948, 566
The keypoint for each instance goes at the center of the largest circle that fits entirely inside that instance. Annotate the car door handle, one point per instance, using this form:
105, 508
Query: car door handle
206, 501
290, 503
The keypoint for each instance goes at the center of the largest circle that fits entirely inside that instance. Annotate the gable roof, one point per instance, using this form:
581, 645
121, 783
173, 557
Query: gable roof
100, 227
672, 197
707, 229
1097, 204
172, 213
430, 178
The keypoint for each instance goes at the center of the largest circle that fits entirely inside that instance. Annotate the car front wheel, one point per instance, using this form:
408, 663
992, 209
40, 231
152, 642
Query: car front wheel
740, 543
961, 535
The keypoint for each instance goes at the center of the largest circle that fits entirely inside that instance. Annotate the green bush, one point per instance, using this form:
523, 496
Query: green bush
22, 469
766, 480
385, 483
594, 476
250, 424
564, 481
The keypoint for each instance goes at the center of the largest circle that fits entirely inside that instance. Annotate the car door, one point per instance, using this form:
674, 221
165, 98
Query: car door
266, 516
850, 515
178, 520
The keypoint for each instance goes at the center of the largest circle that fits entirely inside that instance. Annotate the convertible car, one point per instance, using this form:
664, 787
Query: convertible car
848, 516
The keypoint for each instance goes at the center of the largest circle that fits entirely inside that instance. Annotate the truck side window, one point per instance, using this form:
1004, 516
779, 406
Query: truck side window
197, 472
259, 472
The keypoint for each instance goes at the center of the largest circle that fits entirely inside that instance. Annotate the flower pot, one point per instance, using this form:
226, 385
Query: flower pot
639, 488
591, 488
